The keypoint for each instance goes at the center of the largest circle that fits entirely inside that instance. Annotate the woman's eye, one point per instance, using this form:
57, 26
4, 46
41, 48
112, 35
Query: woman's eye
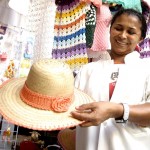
118, 29
131, 32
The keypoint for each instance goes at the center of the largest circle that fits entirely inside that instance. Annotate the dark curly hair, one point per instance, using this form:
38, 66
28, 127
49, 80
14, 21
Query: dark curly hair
133, 13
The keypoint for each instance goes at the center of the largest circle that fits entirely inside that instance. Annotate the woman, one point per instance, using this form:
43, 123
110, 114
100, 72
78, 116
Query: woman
120, 119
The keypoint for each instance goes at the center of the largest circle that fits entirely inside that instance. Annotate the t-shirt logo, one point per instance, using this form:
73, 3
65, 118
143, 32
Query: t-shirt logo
114, 75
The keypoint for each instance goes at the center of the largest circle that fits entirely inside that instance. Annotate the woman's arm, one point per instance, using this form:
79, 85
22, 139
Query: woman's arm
95, 113
140, 114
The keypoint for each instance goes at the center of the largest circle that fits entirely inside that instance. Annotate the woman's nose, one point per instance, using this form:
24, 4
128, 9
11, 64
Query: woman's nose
123, 34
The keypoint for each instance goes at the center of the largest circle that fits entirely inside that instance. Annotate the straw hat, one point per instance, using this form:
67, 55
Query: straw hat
66, 139
43, 100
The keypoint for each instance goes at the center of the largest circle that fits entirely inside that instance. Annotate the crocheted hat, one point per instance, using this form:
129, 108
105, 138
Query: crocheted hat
43, 100
66, 139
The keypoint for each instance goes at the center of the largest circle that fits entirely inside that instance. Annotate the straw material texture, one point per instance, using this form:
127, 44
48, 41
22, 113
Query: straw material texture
51, 79
66, 139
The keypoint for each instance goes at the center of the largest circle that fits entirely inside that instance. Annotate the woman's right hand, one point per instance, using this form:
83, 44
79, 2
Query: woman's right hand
95, 113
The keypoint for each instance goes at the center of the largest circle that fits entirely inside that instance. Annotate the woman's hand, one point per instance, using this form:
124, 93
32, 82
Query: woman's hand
97, 112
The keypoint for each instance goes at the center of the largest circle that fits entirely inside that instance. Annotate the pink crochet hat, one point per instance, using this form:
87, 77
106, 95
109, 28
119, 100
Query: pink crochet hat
101, 34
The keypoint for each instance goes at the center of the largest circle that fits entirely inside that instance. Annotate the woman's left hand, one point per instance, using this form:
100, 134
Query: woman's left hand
93, 114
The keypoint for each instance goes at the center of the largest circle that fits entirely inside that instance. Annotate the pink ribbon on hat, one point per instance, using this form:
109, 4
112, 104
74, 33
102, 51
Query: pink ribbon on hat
57, 104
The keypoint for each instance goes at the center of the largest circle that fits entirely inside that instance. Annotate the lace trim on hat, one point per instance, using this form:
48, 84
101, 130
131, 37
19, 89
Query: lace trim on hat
57, 104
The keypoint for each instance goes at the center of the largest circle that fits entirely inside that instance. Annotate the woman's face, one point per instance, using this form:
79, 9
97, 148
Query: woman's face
125, 34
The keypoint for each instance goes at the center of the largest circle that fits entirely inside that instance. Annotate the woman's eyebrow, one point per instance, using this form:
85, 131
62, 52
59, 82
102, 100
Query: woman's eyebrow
121, 25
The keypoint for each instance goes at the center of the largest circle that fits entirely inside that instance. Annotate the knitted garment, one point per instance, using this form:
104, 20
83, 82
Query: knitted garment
101, 34
40, 22
69, 34
135, 4
90, 22
145, 44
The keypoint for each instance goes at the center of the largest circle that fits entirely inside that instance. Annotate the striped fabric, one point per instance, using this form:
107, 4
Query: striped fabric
69, 34
101, 35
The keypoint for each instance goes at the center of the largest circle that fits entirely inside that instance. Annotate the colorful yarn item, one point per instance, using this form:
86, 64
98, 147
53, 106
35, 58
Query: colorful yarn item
69, 34
90, 22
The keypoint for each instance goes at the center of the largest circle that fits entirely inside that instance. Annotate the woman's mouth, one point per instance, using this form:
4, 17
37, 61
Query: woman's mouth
121, 43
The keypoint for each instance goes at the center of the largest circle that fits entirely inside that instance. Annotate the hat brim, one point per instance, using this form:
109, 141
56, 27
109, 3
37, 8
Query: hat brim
15, 111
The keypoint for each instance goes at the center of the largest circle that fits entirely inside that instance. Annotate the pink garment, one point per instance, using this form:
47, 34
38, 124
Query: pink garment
101, 34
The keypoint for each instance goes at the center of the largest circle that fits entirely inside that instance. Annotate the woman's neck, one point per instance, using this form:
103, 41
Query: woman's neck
117, 58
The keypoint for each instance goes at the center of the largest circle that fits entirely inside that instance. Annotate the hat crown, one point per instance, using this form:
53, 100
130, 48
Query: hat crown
51, 77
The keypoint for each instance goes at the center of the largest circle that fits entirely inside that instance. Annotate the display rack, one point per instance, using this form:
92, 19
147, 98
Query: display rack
8, 135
